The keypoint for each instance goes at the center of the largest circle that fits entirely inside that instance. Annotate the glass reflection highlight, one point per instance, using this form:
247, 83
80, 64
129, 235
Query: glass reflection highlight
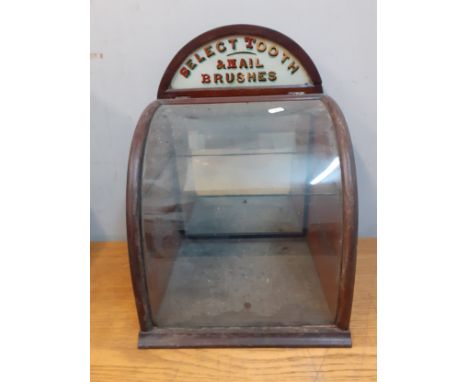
274, 110
331, 167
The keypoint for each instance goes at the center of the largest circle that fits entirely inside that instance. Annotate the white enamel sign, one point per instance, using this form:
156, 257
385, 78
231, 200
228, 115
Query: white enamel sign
240, 61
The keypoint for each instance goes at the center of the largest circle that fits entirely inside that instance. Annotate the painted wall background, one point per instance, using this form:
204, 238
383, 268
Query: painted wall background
132, 43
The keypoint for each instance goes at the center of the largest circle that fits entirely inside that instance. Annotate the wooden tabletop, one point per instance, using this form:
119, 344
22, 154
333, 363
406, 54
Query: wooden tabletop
114, 328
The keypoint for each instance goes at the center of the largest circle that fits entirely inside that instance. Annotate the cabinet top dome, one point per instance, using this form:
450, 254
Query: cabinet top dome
240, 60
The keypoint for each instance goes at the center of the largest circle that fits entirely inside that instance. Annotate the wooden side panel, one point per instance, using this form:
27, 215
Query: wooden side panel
350, 214
134, 229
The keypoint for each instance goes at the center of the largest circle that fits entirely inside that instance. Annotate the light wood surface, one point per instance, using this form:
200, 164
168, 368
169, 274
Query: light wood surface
114, 328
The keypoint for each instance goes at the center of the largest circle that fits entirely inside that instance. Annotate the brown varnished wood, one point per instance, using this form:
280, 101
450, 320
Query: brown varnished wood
316, 336
164, 90
350, 214
134, 228
241, 92
235, 99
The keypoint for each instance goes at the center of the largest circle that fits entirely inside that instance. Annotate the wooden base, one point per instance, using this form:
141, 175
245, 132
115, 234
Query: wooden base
320, 336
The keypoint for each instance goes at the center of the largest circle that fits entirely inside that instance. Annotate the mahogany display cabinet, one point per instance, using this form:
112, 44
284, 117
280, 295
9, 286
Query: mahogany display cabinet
242, 200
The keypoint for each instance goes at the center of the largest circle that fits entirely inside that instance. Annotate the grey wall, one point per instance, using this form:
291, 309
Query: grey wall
138, 38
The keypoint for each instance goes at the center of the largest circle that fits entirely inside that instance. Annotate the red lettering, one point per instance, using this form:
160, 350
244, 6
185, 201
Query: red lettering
218, 78
205, 78
184, 71
199, 59
249, 42
232, 63
190, 64
220, 46
233, 42
208, 51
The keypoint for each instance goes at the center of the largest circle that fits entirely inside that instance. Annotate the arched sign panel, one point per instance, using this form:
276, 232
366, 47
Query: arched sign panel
240, 60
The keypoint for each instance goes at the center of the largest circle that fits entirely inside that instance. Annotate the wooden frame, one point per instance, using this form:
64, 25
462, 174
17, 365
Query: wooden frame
134, 229
334, 335
165, 91
324, 336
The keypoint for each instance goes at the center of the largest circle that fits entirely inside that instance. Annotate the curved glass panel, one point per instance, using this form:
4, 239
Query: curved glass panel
241, 214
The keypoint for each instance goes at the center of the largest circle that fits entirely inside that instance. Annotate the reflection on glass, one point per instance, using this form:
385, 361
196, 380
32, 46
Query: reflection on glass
332, 167
274, 110
241, 213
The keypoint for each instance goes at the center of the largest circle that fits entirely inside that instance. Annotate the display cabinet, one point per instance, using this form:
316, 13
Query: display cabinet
242, 200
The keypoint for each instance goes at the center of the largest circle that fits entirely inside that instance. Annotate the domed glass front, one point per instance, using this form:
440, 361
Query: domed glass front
241, 210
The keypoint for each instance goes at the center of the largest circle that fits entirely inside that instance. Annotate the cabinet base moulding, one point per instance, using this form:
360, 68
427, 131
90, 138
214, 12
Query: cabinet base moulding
297, 337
